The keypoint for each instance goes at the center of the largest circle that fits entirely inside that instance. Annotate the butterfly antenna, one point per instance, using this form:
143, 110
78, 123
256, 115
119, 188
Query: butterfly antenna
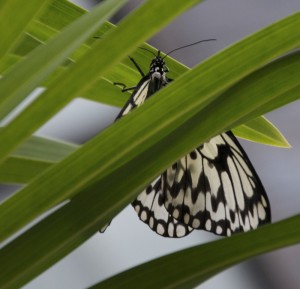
205, 40
148, 50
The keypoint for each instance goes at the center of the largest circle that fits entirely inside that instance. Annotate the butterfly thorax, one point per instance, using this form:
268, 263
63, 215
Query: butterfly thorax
157, 74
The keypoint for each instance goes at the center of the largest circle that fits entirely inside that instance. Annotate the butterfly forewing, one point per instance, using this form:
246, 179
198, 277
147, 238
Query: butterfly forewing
137, 98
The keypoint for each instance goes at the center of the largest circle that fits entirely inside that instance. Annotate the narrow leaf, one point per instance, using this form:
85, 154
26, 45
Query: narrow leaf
17, 170
82, 75
191, 267
11, 30
32, 158
41, 148
111, 94
262, 131
27, 74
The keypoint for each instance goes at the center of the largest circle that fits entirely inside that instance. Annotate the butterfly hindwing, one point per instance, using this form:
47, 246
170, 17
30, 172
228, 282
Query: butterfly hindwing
150, 208
216, 188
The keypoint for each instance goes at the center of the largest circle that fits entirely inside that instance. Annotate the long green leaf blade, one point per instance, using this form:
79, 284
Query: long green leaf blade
191, 267
38, 153
41, 148
82, 75
10, 30
17, 170
27, 74
110, 94
263, 131
32, 158
58, 15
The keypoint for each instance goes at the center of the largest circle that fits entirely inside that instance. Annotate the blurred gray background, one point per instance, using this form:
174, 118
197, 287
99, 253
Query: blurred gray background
129, 242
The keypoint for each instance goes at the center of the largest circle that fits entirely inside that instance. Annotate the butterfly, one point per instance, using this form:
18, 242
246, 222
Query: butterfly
214, 187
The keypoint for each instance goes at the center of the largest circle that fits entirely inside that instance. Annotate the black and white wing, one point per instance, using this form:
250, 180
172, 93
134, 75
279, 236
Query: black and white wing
216, 188
138, 96
150, 208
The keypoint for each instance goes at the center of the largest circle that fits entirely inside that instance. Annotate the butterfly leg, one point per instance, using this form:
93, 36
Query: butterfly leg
137, 66
124, 88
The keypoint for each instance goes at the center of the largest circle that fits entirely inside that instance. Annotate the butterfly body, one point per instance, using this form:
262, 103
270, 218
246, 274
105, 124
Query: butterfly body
214, 187
153, 81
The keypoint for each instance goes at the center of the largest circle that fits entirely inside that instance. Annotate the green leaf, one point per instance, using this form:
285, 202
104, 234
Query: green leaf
10, 30
41, 148
39, 153
56, 17
196, 265
82, 75
27, 74
32, 158
174, 113
110, 94
262, 131
17, 170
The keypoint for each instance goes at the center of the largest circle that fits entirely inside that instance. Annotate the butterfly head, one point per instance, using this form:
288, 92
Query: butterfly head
158, 65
